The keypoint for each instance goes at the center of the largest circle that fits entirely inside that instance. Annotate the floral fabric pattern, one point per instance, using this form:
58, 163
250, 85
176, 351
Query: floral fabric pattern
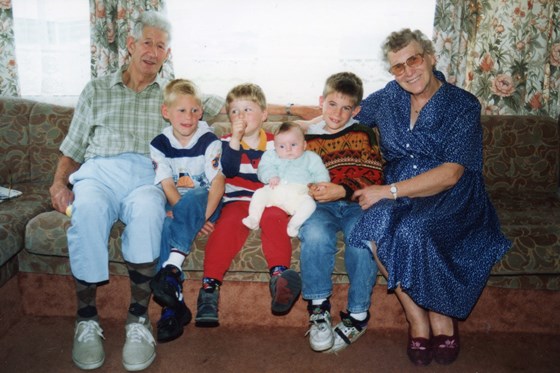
8, 68
111, 22
507, 53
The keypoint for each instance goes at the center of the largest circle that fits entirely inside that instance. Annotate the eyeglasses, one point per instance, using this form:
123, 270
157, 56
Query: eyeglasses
412, 61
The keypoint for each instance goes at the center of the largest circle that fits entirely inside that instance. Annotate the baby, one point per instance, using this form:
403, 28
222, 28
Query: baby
287, 170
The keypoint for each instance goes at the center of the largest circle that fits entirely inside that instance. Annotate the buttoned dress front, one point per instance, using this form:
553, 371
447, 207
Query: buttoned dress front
439, 249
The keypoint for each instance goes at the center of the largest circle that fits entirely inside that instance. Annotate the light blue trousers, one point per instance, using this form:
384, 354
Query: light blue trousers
108, 189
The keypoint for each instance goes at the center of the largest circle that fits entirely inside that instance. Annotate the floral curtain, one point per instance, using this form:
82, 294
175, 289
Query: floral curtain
8, 68
111, 21
506, 52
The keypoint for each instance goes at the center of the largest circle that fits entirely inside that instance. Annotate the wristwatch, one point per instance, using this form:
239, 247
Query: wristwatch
394, 190
289, 109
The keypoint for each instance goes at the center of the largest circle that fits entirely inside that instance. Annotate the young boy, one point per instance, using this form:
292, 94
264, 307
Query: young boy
351, 154
186, 157
287, 170
242, 151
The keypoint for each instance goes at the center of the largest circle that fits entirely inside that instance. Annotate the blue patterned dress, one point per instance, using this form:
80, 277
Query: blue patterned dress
441, 248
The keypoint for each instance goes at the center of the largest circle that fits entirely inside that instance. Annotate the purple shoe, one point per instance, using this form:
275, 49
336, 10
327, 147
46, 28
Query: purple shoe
446, 348
419, 350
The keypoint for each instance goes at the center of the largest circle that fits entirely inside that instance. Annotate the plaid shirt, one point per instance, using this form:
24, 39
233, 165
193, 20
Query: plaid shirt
111, 119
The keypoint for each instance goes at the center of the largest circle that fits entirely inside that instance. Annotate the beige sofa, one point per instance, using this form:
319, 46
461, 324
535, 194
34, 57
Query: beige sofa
522, 158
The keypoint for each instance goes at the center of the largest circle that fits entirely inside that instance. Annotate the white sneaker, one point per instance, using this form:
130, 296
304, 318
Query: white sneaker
321, 336
139, 350
348, 331
87, 351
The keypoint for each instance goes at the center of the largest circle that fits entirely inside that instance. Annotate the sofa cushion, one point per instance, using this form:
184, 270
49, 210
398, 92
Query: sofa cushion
14, 215
46, 251
532, 222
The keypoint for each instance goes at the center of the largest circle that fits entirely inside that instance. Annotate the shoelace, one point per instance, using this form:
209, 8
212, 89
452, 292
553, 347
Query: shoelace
136, 332
90, 330
319, 320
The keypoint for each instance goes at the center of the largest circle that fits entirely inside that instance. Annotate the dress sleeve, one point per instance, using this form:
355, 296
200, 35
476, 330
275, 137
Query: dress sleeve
464, 142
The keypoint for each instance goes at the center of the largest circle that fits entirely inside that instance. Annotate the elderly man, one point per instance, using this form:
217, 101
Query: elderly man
105, 156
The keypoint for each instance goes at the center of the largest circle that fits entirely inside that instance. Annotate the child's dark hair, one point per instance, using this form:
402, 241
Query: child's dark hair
288, 126
346, 83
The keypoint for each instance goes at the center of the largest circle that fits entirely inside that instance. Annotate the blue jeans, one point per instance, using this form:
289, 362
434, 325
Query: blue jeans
189, 216
318, 250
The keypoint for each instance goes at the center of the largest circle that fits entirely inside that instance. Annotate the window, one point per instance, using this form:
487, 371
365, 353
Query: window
288, 47
52, 48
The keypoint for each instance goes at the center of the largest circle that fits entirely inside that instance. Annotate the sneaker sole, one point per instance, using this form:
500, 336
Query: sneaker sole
206, 323
139, 366
321, 348
340, 347
89, 366
291, 284
185, 320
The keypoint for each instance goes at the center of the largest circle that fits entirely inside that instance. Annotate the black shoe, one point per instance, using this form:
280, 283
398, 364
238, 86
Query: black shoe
284, 289
167, 287
207, 308
170, 325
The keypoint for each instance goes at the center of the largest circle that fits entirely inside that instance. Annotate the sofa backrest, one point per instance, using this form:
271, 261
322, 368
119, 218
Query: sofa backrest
521, 153
30, 135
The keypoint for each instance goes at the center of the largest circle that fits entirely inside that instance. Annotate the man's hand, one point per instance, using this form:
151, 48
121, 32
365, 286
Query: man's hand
61, 197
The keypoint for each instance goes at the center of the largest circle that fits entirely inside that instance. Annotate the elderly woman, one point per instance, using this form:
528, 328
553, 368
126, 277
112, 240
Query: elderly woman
435, 233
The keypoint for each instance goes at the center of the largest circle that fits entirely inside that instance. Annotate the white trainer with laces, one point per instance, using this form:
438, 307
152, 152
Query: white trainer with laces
321, 336
139, 350
347, 331
87, 351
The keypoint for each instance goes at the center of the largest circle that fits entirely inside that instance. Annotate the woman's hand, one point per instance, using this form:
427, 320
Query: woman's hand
370, 195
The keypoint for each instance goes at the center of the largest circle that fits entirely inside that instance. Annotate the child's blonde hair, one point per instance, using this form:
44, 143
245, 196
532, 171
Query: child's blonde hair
346, 83
247, 91
180, 87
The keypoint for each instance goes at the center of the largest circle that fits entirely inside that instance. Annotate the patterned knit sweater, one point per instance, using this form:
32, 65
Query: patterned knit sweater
352, 156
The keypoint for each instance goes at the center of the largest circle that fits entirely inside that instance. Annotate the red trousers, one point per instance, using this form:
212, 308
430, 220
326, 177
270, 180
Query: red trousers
230, 234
